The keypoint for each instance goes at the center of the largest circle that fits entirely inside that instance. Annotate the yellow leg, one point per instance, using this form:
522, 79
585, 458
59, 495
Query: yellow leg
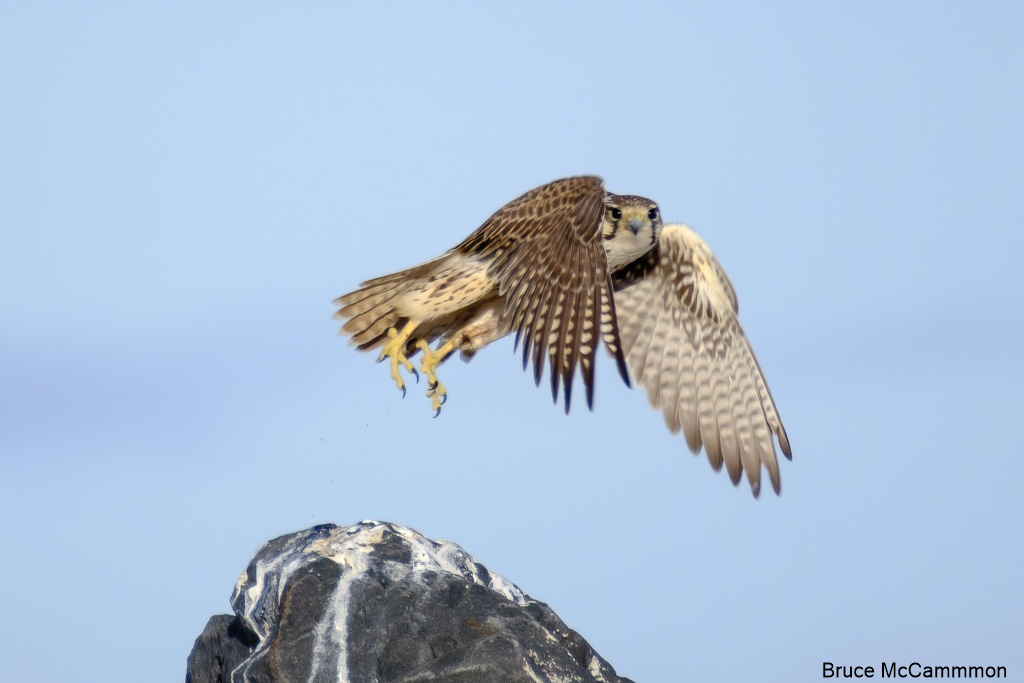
394, 350
431, 359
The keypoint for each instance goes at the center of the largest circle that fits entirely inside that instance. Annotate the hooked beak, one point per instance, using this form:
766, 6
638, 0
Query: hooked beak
635, 224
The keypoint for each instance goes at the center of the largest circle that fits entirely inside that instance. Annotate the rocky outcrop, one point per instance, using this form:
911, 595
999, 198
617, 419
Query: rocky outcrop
380, 602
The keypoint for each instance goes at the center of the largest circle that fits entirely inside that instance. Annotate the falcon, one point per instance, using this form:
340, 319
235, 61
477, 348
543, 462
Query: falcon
567, 267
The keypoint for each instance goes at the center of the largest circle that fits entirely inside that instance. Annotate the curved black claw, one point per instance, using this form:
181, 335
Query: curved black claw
403, 391
444, 399
438, 412
413, 371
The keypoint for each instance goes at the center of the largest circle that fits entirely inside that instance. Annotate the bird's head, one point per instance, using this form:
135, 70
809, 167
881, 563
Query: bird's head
631, 227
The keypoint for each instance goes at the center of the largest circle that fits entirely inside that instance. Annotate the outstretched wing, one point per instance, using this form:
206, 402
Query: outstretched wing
677, 314
548, 259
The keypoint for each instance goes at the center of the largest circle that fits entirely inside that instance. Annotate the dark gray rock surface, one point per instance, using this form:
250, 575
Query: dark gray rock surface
380, 602
223, 645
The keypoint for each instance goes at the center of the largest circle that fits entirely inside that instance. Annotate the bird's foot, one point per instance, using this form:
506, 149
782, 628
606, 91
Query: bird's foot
431, 359
394, 351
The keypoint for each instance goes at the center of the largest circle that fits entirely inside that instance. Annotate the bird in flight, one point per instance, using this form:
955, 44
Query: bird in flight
567, 267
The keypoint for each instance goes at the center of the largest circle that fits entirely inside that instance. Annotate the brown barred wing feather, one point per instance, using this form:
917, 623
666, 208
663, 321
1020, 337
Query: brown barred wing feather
549, 262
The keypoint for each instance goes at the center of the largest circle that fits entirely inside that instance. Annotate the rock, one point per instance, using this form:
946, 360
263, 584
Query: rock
380, 602
223, 645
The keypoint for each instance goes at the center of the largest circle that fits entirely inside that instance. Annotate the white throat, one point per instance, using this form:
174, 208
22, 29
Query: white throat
625, 247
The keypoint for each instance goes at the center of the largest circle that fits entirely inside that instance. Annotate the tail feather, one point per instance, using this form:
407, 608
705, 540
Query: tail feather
366, 299
368, 321
368, 332
369, 312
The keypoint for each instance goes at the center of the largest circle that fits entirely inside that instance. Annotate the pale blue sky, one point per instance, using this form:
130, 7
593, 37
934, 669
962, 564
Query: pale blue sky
184, 189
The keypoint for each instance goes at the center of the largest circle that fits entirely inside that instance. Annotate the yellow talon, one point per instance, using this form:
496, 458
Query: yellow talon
394, 350
437, 396
431, 359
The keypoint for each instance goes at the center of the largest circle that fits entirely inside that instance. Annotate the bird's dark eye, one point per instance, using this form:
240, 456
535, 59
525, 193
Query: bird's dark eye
653, 214
616, 214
